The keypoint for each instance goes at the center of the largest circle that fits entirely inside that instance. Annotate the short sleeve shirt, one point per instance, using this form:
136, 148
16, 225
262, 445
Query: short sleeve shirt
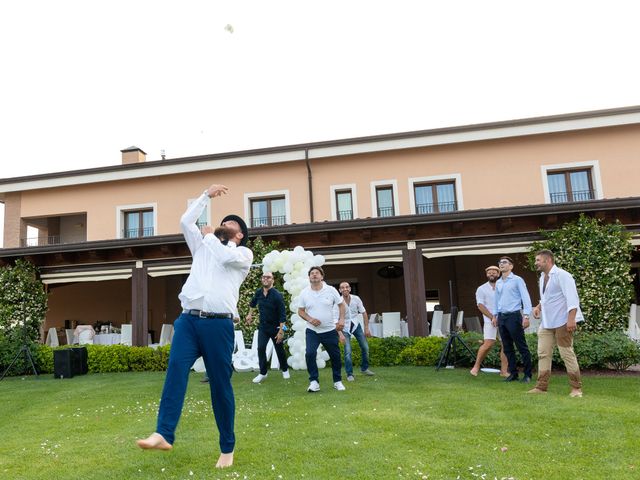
319, 304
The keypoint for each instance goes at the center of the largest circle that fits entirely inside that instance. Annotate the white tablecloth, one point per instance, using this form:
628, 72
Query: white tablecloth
376, 329
106, 339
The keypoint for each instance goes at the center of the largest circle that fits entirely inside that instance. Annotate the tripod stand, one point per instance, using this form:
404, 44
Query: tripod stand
453, 335
23, 349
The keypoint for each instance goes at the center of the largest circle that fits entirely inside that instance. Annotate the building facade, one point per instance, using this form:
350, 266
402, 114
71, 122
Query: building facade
408, 218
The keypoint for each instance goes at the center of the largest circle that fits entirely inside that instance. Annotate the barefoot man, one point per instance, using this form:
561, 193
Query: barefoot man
485, 298
209, 301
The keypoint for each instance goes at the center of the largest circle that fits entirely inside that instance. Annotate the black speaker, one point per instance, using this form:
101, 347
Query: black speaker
79, 361
62, 363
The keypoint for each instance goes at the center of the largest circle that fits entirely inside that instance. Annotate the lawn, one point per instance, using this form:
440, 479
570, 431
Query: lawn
406, 422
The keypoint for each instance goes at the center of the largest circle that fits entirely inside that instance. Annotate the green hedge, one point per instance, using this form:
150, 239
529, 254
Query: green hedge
594, 351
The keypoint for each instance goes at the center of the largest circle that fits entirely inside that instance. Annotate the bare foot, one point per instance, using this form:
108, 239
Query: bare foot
504, 374
225, 460
155, 441
474, 372
536, 390
576, 393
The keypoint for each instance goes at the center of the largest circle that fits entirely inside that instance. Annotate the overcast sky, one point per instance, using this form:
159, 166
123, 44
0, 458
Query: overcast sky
82, 80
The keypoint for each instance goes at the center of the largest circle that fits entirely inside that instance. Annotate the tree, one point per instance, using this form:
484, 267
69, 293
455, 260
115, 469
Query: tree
23, 306
252, 283
598, 256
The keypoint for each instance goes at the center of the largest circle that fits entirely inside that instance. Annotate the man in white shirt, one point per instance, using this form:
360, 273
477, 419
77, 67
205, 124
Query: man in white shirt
560, 310
352, 327
486, 301
316, 303
209, 301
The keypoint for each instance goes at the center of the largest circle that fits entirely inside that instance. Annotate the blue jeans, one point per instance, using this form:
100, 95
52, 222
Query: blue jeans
213, 339
364, 348
329, 341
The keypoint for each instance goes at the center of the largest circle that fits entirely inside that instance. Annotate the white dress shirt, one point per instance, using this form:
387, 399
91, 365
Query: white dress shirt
559, 297
486, 295
217, 270
353, 308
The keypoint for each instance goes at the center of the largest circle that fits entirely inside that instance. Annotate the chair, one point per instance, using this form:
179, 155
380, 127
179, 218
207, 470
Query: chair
436, 324
373, 318
459, 320
472, 324
166, 334
391, 324
126, 334
69, 334
534, 324
634, 323
52, 338
446, 324
85, 337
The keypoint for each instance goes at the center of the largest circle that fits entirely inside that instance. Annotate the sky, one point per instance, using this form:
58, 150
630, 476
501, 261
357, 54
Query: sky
82, 80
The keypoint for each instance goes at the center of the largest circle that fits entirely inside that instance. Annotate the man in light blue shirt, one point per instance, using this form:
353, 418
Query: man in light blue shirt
513, 307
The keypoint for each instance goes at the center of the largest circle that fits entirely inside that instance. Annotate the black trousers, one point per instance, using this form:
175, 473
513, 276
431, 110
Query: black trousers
263, 341
511, 331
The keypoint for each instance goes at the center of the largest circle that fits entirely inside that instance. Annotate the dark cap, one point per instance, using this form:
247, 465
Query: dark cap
243, 227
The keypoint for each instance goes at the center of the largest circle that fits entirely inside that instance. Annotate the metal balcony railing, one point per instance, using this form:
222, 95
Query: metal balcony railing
268, 221
577, 196
345, 215
137, 232
386, 211
442, 207
41, 241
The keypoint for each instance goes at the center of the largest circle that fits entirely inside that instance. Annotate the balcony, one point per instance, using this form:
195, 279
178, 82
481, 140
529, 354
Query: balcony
441, 207
345, 215
568, 197
138, 232
272, 221
386, 211
55, 230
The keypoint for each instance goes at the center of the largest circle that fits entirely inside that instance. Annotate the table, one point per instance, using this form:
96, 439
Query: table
376, 329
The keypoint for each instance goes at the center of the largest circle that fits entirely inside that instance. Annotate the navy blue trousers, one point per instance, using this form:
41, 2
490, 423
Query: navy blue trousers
213, 340
511, 331
263, 341
329, 341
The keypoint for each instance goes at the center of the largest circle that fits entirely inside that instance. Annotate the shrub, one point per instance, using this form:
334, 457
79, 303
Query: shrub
604, 350
384, 352
423, 352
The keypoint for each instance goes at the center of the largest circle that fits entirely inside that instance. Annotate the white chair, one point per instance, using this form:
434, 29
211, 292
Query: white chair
126, 334
436, 324
391, 324
373, 318
69, 334
472, 324
534, 325
446, 324
52, 338
166, 334
85, 337
634, 323
459, 320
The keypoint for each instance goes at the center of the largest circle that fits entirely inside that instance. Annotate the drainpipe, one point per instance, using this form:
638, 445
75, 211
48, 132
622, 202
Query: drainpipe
310, 180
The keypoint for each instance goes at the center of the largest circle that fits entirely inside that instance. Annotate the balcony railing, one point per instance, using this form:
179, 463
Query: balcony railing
345, 215
386, 211
442, 207
268, 221
577, 196
41, 241
137, 232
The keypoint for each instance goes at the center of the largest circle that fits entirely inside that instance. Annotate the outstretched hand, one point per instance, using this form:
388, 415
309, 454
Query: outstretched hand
216, 190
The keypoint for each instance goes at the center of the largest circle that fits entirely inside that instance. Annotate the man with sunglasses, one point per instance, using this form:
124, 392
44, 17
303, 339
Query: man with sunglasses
513, 307
271, 308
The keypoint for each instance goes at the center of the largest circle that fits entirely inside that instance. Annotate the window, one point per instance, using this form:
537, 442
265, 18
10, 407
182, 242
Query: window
267, 212
344, 205
570, 186
203, 219
435, 197
384, 201
138, 223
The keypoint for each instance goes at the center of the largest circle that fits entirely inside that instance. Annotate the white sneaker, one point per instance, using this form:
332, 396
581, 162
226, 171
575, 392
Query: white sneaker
368, 372
259, 378
339, 386
286, 375
350, 378
313, 386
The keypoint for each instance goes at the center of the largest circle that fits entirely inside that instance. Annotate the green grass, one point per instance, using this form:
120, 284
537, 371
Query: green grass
406, 422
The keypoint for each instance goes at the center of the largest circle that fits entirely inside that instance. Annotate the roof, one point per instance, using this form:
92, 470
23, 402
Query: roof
333, 148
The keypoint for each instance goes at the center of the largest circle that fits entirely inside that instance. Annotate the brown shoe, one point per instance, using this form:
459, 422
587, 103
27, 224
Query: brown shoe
536, 390
155, 441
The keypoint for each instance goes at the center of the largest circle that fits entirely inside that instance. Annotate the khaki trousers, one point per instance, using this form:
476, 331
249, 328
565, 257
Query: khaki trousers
547, 340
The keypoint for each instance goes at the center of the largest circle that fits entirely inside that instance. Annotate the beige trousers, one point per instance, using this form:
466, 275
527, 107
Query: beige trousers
547, 340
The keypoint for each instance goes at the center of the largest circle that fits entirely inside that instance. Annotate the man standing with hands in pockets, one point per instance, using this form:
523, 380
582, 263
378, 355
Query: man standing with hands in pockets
209, 301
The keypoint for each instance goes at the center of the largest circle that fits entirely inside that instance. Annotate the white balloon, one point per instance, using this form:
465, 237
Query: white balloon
321, 363
318, 260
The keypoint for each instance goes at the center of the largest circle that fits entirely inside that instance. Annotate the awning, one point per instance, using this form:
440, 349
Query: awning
363, 257
86, 276
489, 249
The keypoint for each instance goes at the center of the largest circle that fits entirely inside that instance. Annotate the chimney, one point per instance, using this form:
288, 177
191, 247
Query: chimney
133, 155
